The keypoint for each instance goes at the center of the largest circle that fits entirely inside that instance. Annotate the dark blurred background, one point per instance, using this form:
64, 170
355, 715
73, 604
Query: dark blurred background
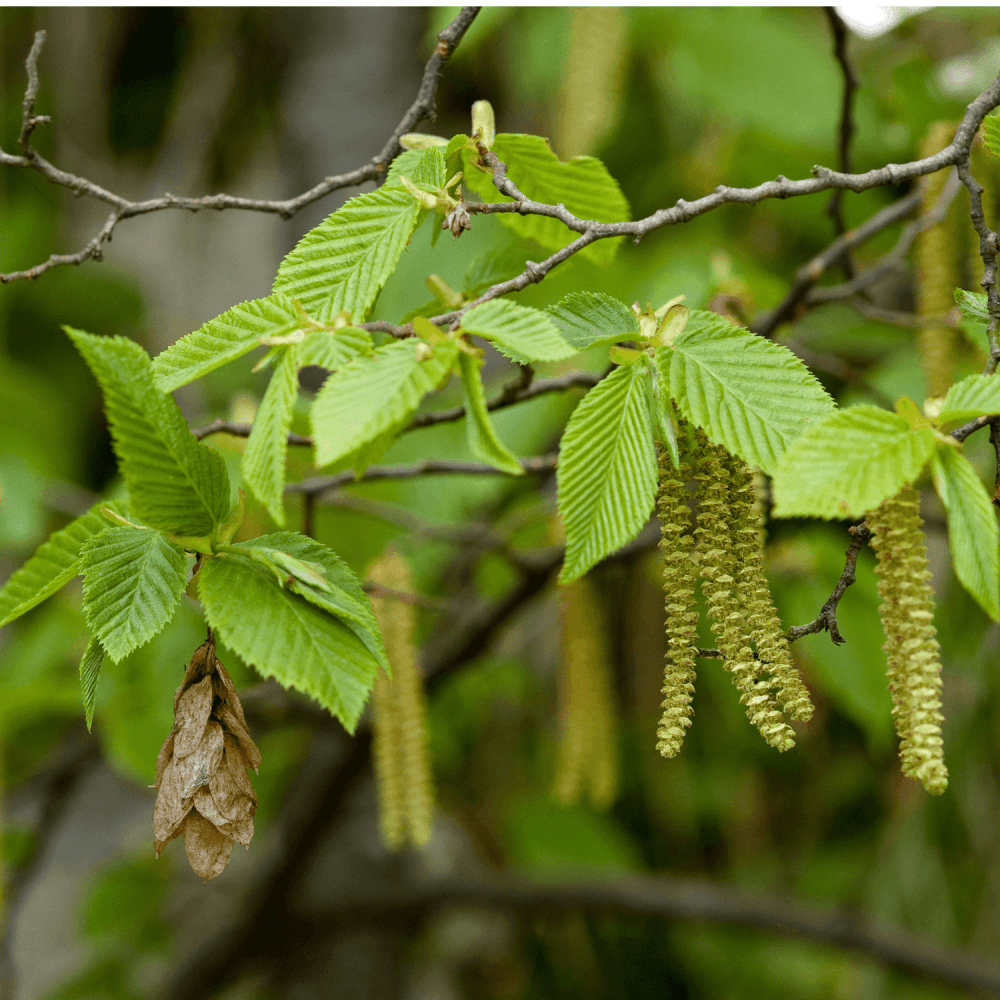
266, 102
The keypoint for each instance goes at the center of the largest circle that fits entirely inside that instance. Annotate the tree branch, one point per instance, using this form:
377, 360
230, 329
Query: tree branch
846, 131
697, 900
123, 208
319, 485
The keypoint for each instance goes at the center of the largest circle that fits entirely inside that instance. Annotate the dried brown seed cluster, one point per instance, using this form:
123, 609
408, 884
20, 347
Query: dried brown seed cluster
203, 792
588, 748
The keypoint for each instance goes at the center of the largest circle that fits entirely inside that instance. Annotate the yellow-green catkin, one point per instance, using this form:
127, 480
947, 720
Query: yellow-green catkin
907, 612
676, 545
592, 78
939, 253
588, 749
719, 567
761, 616
400, 748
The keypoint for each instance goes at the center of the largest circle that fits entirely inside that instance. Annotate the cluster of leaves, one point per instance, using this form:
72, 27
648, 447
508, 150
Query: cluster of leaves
288, 604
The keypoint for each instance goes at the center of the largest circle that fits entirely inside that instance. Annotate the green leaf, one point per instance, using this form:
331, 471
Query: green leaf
522, 334
583, 185
53, 565
850, 463
748, 394
267, 447
134, 579
286, 637
588, 318
972, 526
340, 592
484, 442
664, 418
368, 398
90, 672
330, 349
972, 305
495, 265
990, 131
223, 339
342, 264
607, 471
424, 167
175, 483
974, 396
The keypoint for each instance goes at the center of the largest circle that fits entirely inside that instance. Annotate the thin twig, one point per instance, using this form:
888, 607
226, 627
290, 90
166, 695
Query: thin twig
826, 620
516, 392
810, 273
320, 485
846, 130
995, 441
123, 208
419, 600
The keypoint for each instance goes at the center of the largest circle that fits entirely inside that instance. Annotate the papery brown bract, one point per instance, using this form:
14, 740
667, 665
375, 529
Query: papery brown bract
203, 792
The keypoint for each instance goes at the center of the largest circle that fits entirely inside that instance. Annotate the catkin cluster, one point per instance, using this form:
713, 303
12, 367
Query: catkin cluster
400, 747
587, 753
727, 547
912, 651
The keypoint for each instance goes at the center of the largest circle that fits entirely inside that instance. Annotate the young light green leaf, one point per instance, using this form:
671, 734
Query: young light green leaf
583, 185
972, 305
521, 333
484, 442
972, 526
286, 637
422, 166
134, 579
223, 339
974, 396
175, 483
662, 411
588, 318
847, 465
339, 591
990, 131
368, 398
607, 471
90, 672
748, 394
330, 349
267, 447
53, 565
342, 264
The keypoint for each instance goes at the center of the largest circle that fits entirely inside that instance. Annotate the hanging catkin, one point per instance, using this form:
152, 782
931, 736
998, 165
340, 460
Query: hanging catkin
907, 612
400, 750
587, 756
939, 252
719, 565
676, 544
761, 616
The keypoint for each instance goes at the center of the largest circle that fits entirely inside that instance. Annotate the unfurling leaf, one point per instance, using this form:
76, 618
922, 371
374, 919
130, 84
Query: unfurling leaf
588, 318
522, 334
203, 792
90, 671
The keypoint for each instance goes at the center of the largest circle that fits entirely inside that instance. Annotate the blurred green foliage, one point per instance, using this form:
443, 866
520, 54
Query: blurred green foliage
702, 96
